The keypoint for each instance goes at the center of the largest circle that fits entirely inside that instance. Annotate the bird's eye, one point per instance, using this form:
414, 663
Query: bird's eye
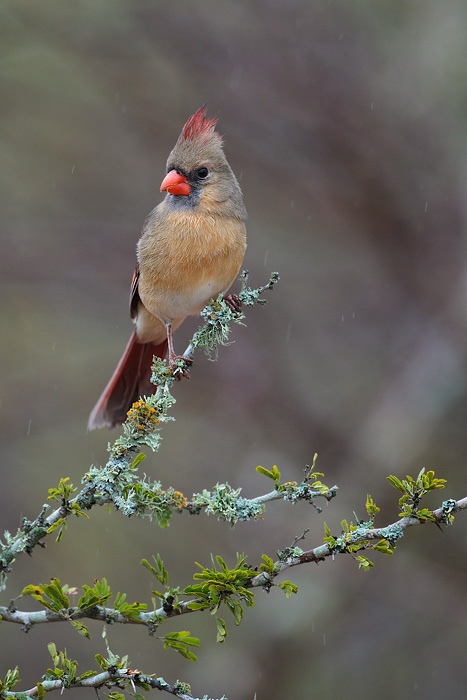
202, 173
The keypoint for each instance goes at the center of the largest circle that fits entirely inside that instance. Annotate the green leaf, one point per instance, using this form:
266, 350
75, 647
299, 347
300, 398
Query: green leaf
63, 492
394, 481
364, 563
183, 636
222, 564
425, 514
179, 642
371, 507
86, 674
99, 594
10, 681
187, 654
288, 587
268, 564
138, 459
273, 473
420, 474
102, 662
328, 538
236, 609
265, 472
384, 547
81, 629
56, 594
40, 691
55, 525
163, 575
31, 590
150, 568
221, 630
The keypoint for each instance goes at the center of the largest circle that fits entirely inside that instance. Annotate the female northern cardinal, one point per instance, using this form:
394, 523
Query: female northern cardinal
190, 250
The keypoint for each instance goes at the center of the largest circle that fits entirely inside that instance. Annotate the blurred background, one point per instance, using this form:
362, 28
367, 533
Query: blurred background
345, 124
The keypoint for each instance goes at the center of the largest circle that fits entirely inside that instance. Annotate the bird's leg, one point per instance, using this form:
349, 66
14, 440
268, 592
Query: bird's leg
233, 302
176, 370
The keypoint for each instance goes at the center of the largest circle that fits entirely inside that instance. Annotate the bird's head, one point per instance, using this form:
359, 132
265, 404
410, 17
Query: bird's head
198, 174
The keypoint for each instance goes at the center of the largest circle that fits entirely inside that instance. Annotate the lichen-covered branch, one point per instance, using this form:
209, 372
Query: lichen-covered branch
358, 539
114, 678
117, 482
352, 540
115, 673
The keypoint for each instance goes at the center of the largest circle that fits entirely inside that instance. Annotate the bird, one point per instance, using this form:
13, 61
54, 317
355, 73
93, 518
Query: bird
191, 249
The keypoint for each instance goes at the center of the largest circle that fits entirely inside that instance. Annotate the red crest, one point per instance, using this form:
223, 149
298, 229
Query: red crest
198, 126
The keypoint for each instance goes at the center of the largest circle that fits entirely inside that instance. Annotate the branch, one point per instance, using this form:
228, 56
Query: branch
351, 541
117, 481
118, 677
96, 612
359, 538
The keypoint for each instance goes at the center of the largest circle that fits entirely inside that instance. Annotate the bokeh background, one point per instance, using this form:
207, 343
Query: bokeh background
345, 123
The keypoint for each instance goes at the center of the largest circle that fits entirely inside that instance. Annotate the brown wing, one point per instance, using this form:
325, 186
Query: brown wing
134, 296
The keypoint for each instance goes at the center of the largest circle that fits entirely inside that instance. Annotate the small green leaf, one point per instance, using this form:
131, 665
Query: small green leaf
424, 514
288, 587
264, 472
364, 563
138, 459
102, 662
81, 629
394, 481
180, 641
384, 547
371, 507
40, 691
55, 525
150, 568
221, 630
10, 681
222, 564
236, 609
31, 590
273, 473
187, 654
86, 674
268, 564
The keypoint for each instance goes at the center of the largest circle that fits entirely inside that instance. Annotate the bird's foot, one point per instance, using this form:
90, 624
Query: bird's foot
179, 365
233, 302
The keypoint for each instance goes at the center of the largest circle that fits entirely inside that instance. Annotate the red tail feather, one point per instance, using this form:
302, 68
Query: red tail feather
130, 380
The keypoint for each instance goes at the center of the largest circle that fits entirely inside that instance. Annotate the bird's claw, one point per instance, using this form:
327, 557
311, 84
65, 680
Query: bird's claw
180, 370
233, 302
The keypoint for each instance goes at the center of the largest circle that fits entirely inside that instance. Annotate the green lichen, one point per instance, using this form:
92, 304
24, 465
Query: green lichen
227, 504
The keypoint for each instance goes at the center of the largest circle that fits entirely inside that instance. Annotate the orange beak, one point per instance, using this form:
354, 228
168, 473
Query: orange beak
174, 183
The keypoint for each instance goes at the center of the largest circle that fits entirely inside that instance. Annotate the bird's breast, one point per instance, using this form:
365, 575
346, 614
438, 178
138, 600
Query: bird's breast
185, 260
